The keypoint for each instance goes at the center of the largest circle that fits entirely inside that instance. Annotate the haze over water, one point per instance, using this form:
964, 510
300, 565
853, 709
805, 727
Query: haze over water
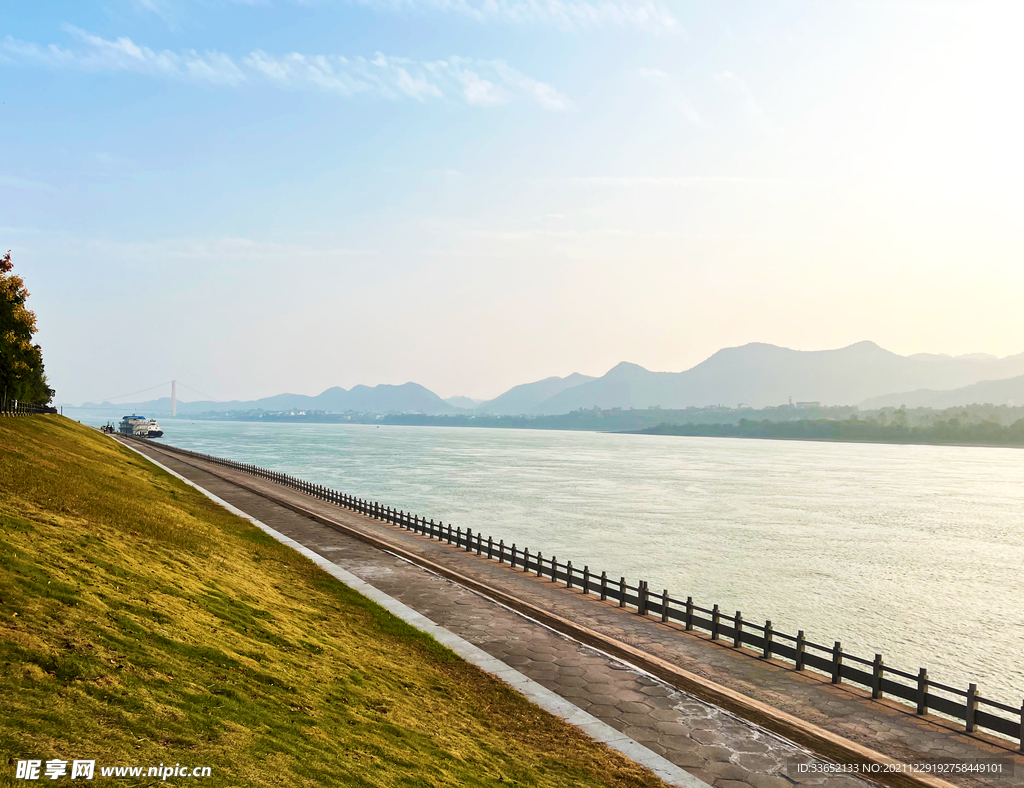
914, 552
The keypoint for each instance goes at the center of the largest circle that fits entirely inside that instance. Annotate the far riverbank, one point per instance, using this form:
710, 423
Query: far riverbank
943, 433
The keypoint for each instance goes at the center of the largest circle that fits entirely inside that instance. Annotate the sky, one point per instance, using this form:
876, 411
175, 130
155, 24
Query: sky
255, 197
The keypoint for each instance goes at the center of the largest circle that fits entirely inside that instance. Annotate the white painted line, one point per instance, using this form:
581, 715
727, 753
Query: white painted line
541, 696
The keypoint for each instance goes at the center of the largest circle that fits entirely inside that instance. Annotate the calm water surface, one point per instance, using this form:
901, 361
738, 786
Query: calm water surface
916, 552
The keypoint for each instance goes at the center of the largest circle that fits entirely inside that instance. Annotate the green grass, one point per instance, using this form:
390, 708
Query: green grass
140, 623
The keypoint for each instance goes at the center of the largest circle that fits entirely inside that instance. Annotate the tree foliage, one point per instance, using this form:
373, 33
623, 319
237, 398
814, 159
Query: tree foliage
22, 376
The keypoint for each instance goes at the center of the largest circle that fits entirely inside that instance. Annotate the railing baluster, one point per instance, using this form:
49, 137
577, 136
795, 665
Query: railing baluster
737, 637
837, 663
972, 707
768, 632
922, 691
664, 606
801, 648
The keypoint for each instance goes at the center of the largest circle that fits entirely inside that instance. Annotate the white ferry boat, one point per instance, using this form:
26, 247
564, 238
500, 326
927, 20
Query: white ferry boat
139, 427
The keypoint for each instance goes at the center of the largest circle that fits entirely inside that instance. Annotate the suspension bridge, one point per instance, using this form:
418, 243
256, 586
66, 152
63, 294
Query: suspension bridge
110, 403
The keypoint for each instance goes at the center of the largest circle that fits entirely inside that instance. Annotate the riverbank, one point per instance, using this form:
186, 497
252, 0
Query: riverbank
141, 623
943, 433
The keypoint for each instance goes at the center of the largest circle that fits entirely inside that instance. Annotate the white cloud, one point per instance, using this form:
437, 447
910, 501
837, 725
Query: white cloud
751, 107
17, 182
483, 83
682, 103
655, 75
100, 54
659, 181
571, 14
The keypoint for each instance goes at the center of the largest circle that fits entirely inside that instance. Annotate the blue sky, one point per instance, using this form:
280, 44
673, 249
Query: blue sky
266, 196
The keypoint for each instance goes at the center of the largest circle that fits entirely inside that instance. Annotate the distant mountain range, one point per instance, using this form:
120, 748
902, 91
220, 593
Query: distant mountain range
996, 392
463, 403
758, 375
530, 397
407, 398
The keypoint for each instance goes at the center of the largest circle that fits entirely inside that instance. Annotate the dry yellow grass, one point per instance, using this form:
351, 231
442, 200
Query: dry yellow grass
143, 624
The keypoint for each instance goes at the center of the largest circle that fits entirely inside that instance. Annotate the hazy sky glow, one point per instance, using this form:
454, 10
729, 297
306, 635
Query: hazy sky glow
257, 197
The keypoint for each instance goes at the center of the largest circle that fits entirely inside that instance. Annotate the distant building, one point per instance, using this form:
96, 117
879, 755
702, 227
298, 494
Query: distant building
814, 404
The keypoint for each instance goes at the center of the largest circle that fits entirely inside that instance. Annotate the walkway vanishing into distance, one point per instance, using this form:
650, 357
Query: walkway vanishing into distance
713, 745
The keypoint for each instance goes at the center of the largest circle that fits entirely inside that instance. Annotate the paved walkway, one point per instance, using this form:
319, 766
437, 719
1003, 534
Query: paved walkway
709, 743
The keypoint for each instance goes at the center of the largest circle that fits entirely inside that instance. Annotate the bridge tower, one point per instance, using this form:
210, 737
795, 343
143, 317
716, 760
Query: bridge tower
174, 398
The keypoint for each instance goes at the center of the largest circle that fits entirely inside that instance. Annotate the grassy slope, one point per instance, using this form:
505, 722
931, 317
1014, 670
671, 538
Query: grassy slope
141, 624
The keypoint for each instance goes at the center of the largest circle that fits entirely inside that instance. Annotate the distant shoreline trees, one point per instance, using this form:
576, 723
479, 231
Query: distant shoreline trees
22, 376
945, 433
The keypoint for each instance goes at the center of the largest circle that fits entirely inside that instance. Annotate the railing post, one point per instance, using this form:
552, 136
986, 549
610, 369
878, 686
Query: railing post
922, 691
768, 632
568, 574
876, 677
622, 592
540, 564
972, 707
837, 663
554, 569
715, 618
469, 540
664, 606
586, 579
689, 614
801, 648
479, 543
1020, 733
604, 586
737, 636
512, 561
526, 559
490, 547
641, 607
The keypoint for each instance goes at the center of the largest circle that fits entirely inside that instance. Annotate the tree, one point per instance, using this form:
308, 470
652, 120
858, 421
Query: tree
22, 376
